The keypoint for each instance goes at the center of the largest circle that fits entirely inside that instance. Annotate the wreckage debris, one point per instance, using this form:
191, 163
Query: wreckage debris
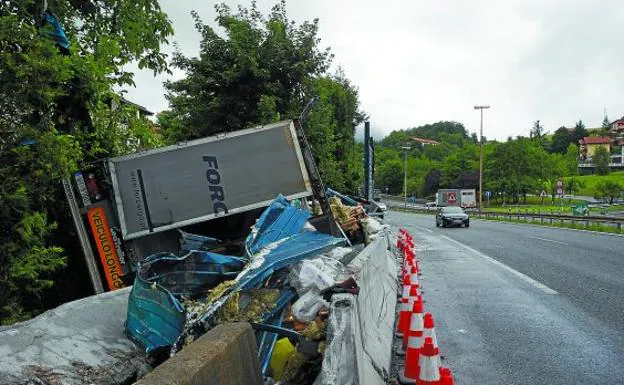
282, 285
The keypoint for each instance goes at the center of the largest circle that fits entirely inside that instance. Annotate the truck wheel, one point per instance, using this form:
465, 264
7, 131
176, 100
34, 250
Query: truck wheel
437, 224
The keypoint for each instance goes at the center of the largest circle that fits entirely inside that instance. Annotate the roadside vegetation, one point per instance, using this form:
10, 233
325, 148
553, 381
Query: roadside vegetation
514, 170
589, 183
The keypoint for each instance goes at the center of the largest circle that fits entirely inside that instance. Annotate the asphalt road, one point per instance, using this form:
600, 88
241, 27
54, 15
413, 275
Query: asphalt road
517, 304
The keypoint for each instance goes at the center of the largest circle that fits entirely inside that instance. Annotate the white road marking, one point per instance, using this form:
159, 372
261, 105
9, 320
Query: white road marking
423, 228
518, 274
546, 240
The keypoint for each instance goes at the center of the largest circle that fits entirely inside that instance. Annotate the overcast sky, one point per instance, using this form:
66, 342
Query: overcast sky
421, 61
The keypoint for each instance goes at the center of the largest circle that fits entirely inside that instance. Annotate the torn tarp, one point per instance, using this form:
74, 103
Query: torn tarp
156, 316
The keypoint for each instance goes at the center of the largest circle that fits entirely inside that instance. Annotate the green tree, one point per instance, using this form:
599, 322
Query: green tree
55, 114
263, 69
601, 161
255, 72
608, 189
579, 132
561, 139
572, 185
537, 131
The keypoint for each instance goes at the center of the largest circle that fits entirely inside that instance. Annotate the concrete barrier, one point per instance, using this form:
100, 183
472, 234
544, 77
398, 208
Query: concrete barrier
79, 342
225, 355
363, 330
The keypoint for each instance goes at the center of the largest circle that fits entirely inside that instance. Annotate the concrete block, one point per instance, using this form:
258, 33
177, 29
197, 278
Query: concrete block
226, 355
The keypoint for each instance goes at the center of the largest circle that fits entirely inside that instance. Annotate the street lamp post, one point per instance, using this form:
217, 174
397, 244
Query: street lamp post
405, 148
481, 108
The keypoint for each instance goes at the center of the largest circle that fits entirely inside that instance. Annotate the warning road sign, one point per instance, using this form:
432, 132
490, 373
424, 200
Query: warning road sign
543, 194
451, 198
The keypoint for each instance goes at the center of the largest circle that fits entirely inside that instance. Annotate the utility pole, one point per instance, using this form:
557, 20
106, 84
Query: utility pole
405, 148
481, 108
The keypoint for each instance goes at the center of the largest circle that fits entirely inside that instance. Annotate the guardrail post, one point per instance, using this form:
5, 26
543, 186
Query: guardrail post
619, 226
539, 212
551, 217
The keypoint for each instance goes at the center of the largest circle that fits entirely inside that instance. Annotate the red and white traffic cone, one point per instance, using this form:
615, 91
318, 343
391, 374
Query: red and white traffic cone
405, 310
408, 263
414, 274
446, 377
407, 283
417, 324
430, 332
429, 370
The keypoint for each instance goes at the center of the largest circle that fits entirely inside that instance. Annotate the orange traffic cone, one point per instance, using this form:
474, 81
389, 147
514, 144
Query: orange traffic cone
414, 274
405, 310
430, 332
446, 377
416, 324
407, 283
429, 370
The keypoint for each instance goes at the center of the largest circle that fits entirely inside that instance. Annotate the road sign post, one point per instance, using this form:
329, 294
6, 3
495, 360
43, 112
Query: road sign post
543, 195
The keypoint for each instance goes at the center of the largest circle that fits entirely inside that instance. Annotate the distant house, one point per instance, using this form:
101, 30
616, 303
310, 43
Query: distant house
590, 144
142, 112
425, 142
617, 127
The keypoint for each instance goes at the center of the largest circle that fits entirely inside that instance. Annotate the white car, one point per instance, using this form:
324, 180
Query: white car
382, 206
431, 205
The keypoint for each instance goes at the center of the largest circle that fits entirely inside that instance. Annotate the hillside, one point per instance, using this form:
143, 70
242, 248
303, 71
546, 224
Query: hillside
590, 182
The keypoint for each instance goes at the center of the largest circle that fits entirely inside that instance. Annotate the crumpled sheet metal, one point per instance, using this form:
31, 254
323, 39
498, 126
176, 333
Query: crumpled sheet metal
279, 221
292, 250
156, 317
189, 241
279, 238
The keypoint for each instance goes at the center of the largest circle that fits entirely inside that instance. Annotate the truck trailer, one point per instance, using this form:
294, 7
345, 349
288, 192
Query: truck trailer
465, 198
129, 207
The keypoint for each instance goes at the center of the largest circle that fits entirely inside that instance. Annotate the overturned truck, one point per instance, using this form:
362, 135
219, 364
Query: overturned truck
130, 207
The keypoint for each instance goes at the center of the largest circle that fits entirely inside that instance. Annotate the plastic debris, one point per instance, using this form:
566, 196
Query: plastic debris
282, 353
306, 308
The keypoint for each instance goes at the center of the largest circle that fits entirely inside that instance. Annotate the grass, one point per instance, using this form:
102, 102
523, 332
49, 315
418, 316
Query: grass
534, 205
591, 181
579, 226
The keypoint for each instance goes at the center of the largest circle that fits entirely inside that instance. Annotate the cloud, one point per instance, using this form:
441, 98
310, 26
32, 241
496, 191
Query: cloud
418, 62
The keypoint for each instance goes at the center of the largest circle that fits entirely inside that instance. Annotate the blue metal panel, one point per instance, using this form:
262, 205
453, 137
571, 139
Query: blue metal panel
280, 220
156, 317
296, 248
